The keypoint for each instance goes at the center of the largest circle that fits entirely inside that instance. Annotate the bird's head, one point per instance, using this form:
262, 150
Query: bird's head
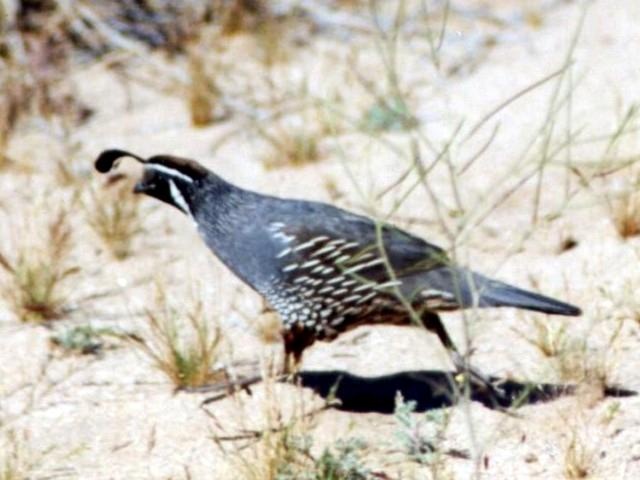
170, 179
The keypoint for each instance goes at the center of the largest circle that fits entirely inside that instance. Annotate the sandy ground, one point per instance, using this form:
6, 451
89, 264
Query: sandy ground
114, 416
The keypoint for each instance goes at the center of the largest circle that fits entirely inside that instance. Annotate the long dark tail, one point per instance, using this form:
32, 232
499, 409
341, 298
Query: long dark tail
498, 294
469, 289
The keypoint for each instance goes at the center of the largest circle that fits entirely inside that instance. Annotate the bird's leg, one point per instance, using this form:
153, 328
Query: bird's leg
432, 322
291, 360
296, 339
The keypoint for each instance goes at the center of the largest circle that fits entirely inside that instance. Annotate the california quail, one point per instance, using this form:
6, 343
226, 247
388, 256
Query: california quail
323, 269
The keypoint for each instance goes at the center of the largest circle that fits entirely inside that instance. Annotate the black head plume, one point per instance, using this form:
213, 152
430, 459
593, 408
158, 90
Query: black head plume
108, 159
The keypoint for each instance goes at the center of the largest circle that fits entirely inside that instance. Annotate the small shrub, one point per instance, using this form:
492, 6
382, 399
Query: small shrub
204, 96
388, 114
86, 339
414, 440
241, 15
17, 460
421, 438
114, 215
70, 166
184, 350
626, 214
12, 462
343, 462
578, 459
296, 148
286, 456
550, 338
38, 274
572, 357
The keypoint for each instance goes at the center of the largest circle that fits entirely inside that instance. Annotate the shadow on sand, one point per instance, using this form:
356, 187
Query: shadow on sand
430, 389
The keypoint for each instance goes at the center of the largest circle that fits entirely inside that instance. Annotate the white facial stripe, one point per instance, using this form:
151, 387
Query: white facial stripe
178, 198
169, 171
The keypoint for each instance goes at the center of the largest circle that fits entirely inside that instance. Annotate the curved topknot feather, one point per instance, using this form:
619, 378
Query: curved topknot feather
108, 159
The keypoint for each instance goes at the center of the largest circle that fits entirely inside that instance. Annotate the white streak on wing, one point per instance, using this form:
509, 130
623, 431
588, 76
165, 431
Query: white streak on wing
364, 286
366, 298
305, 245
310, 263
342, 259
318, 269
337, 242
284, 237
169, 171
363, 256
351, 298
326, 290
284, 252
431, 293
335, 254
323, 250
178, 198
337, 279
362, 266
390, 283
311, 243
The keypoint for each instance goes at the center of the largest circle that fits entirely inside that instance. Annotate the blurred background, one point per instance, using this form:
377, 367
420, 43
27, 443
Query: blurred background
504, 131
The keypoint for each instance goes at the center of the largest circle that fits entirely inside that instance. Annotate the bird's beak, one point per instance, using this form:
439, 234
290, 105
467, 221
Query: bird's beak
140, 187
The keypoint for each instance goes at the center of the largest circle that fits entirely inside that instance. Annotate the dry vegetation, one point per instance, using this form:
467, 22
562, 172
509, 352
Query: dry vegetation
39, 270
114, 215
489, 128
184, 344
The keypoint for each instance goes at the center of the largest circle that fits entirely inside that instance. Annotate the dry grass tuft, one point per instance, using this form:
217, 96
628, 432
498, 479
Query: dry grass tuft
265, 461
70, 167
23, 457
574, 358
204, 96
626, 214
549, 338
286, 452
14, 461
202, 93
578, 459
295, 149
282, 447
183, 346
37, 287
291, 147
113, 213
271, 39
256, 17
241, 15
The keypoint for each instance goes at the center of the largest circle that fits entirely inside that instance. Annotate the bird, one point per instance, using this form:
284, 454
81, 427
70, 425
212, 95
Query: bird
323, 269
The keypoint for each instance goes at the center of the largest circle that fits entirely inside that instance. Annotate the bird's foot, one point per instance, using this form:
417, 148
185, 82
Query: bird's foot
480, 382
